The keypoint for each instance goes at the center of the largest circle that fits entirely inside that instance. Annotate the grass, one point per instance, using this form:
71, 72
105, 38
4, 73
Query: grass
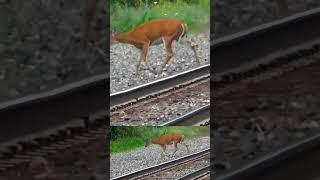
124, 17
136, 136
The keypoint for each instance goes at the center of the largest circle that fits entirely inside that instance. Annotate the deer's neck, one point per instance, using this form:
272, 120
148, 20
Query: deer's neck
125, 38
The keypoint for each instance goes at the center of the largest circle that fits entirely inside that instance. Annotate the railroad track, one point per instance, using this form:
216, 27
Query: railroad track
170, 167
281, 47
74, 137
284, 163
198, 117
203, 173
160, 90
157, 88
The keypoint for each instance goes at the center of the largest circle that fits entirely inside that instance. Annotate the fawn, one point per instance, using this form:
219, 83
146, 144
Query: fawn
168, 139
154, 32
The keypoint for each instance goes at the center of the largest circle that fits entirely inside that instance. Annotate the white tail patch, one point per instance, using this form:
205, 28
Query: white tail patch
183, 36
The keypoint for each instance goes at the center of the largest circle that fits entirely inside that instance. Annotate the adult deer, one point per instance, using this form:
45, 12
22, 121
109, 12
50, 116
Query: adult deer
168, 139
154, 32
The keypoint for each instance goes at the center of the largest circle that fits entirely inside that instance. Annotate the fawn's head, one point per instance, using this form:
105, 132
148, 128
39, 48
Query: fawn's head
113, 39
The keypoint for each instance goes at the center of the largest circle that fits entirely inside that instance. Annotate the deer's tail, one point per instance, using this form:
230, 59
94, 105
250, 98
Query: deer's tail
183, 34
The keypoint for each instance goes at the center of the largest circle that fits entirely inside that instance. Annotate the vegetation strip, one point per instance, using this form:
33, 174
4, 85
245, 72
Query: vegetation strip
128, 14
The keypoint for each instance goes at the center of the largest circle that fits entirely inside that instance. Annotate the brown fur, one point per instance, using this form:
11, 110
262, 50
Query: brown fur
152, 33
169, 139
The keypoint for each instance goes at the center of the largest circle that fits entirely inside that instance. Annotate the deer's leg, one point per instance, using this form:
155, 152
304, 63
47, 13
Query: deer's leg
175, 147
139, 63
164, 150
145, 50
168, 45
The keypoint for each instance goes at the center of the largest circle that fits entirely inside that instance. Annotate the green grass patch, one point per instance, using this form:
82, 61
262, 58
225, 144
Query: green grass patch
124, 139
125, 16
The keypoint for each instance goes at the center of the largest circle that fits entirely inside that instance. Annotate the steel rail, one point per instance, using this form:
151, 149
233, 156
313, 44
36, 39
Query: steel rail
38, 112
197, 174
170, 82
283, 159
254, 44
164, 166
194, 118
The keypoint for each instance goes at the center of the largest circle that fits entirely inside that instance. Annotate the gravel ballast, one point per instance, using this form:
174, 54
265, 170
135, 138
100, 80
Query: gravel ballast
123, 59
124, 163
41, 48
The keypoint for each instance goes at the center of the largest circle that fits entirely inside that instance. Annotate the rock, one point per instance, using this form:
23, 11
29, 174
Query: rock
313, 125
38, 166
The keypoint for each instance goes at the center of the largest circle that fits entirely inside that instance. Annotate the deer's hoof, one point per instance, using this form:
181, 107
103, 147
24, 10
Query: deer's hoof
153, 71
163, 70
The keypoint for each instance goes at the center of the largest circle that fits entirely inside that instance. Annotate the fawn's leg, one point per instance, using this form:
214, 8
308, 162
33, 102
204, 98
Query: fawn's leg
184, 40
168, 45
193, 48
